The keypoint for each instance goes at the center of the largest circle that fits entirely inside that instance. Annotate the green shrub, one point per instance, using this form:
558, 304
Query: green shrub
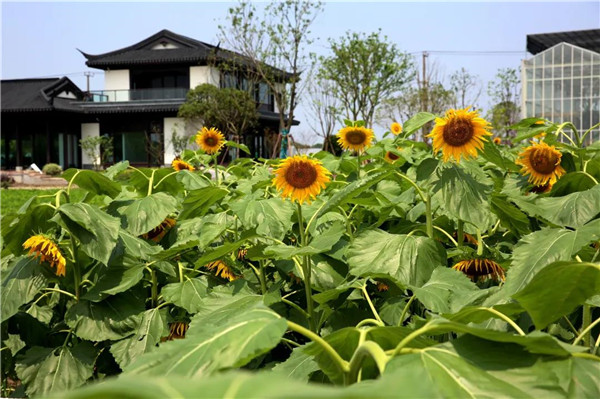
52, 169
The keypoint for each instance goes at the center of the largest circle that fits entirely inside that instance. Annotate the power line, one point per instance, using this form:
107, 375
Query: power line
469, 52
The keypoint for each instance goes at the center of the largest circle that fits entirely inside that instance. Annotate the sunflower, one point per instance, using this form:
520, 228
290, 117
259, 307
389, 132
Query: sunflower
179, 164
497, 140
355, 138
478, 269
382, 286
210, 140
222, 270
300, 178
460, 133
157, 233
396, 128
542, 163
546, 188
48, 251
177, 330
391, 157
242, 253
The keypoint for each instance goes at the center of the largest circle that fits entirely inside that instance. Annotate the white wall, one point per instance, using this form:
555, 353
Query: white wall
117, 80
89, 130
203, 74
169, 125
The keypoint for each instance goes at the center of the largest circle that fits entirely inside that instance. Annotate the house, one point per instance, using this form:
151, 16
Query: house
562, 81
144, 86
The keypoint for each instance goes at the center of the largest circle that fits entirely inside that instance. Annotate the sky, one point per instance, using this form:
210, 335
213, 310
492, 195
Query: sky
40, 39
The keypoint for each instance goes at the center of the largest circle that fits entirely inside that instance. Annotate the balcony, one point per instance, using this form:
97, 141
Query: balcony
104, 96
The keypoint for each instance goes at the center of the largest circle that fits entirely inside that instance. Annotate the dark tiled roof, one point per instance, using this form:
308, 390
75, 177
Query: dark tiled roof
588, 39
22, 95
131, 107
189, 52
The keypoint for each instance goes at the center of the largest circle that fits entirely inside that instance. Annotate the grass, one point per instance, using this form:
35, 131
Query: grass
12, 200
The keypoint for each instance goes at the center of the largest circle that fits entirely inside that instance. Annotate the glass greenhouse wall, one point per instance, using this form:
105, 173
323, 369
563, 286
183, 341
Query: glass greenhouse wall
562, 84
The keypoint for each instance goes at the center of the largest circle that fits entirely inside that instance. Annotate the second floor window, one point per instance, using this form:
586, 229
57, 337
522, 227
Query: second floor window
259, 91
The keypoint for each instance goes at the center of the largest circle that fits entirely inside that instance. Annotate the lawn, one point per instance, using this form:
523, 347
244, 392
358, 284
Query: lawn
12, 200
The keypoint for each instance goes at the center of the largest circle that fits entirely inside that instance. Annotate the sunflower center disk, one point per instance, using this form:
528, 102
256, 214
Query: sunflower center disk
458, 132
210, 141
301, 175
543, 162
356, 137
392, 156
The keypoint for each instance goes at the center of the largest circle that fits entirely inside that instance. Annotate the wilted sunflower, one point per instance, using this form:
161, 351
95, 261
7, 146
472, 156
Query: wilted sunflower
177, 330
179, 164
242, 252
210, 140
396, 128
460, 133
300, 178
48, 251
157, 233
355, 138
478, 269
222, 270
542, 163
391, 157
546, 188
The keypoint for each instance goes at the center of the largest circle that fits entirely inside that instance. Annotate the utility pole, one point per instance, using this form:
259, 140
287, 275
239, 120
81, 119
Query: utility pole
425, 93
87, 75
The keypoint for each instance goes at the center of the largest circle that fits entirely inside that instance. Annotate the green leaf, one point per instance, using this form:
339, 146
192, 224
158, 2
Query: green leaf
323, 242
152, 327
34, 221
299, 366
205, 229
510, 216
193, 181
242, 147
198, 202
447, 291
408, 259
42, 313
14, 343
215, 346
144, 214
571, 183
572, 210
415, 123
492, 154
224, 249
271, 217
45, 370
464, 197
537, 250
558, 289
94, 182
115, 169
188, 294
95, 230
114, 318
21, 285
224, 303
115, 278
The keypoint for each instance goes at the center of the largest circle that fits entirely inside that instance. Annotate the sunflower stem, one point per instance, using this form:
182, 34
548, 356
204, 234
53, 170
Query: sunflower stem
151, 182
460, 233
586, 326
479, 243
163, 179
154, 288
306, 270
216, 169
429, 216
405, 310
364, 290
261, 276
71, 182
76, 272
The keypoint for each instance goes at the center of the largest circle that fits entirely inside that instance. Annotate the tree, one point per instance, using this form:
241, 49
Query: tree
272, 44
504, 92
98, 148
326, 109
365, 70
466, 87
230, 110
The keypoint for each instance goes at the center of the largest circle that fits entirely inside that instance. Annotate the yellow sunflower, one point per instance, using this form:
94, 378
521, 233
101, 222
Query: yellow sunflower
300, 178
222, 270
48, 251
180, 164
497, 140
355, 138
460, 133
157, 233
210, 140
542, 163
391, 157
479, 269
396, 128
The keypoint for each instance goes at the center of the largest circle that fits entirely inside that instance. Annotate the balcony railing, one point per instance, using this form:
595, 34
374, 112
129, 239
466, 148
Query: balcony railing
102, 96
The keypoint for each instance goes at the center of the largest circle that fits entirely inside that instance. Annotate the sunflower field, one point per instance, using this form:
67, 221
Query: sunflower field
467, 269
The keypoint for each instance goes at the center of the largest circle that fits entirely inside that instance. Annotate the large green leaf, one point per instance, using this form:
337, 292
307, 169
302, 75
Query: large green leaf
187, 294
322, 242
271, 217
94, 229
198, 202
205, 229
573, 210
415, 123
144, 214
510, 216
21, 285
114, 318
558, 289
152, 327
408, 259
193, 181
492, 154
94, 182
464, 197
215, 346
571, 183
298, 366
537, 250
447, 291
47, 371
115, 278
15, 232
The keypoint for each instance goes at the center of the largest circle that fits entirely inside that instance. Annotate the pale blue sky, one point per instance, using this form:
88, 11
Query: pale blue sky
40, 39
